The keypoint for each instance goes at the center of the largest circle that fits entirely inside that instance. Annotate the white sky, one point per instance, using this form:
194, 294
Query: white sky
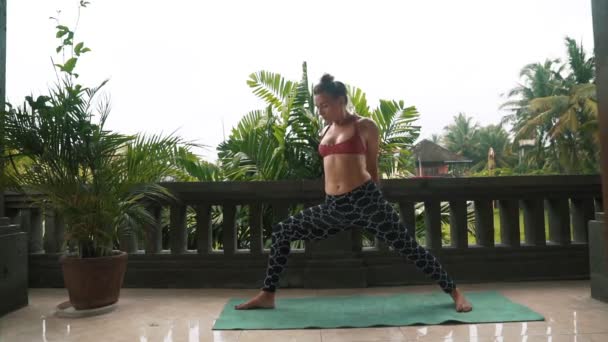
183, 65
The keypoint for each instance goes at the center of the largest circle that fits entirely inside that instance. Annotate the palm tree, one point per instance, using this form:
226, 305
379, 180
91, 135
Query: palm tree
280, 141
277, 142
574, 128
192, 168
497, 138
397, 132
567, 120
582, 68
539, 80
461, 136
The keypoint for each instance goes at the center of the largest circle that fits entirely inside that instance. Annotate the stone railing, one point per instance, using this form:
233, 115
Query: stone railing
551, 211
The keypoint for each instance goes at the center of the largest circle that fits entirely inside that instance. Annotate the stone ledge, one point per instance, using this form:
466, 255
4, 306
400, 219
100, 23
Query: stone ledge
366, 269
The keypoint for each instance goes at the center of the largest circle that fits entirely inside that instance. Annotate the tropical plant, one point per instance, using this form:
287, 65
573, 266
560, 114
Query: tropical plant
277, 142
99, 181
397, 133
280, 141
558, 112
496, 138
461, 136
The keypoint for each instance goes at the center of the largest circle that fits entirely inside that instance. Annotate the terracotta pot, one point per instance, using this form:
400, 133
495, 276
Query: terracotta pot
94, 282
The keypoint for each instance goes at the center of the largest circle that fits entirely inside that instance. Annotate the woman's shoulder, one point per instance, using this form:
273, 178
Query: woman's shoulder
366, 124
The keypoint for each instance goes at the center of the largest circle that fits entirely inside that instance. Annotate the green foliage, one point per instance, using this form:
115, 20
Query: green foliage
281, 140
99, 181
461, 136
474, 142
556, 106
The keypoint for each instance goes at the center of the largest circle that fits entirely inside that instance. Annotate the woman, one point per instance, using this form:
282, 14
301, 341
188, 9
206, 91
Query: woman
349, 148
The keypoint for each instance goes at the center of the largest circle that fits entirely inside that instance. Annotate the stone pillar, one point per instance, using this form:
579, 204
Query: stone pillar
600, 33
598, 264
2, 92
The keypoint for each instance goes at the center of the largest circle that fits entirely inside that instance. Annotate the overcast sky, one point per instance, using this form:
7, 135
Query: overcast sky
183, 65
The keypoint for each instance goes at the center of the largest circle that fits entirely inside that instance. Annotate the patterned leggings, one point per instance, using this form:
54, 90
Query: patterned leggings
363, 207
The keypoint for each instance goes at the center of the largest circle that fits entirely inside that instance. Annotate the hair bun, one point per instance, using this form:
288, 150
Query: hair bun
327, 78
329, 86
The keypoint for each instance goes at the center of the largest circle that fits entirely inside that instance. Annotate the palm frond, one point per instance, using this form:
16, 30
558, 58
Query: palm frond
271, 87
359, 101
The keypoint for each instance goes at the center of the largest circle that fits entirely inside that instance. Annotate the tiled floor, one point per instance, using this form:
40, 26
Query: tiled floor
188, 315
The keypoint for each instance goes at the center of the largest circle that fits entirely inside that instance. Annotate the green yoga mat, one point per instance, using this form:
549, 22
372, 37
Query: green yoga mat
373, 311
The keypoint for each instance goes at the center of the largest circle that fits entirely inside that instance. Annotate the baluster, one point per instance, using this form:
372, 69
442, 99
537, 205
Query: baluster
509, 222
154, 232
51, 245
24, 219
534, 222
177, 228
60, 232
256, 242
559, 220
407, 214
459, 224
583, 211
432, 223
280, 211
128, 240
35, 233
204, 229
229, 228
484, 223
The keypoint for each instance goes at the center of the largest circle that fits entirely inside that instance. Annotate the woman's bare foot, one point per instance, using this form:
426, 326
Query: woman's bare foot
462, 304
263, 300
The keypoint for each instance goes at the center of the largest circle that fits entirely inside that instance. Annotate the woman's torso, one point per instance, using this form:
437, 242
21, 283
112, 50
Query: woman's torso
345, 160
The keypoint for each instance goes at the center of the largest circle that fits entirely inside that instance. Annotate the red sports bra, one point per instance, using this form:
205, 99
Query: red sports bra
353, 145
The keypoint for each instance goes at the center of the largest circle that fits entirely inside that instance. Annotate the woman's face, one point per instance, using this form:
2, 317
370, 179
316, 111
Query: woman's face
330, 109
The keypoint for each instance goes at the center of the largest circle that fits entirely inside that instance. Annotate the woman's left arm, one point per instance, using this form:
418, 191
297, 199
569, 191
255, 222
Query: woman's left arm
372, 140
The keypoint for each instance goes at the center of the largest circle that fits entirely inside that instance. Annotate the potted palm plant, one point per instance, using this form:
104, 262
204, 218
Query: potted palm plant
100, 182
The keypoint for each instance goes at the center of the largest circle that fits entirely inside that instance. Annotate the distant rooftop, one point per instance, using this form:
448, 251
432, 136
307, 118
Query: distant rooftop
429, 152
